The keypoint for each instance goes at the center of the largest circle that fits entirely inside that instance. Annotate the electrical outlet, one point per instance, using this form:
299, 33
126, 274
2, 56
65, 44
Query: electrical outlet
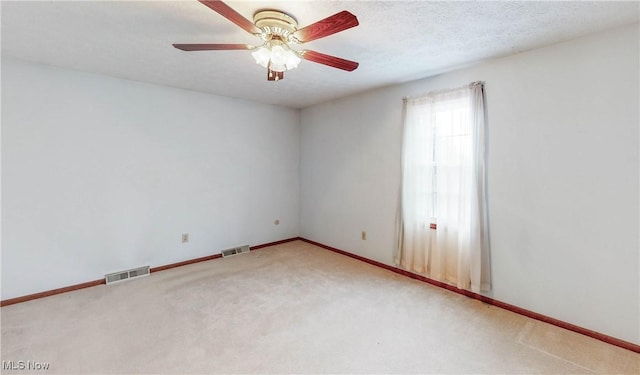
364, 235
185, 237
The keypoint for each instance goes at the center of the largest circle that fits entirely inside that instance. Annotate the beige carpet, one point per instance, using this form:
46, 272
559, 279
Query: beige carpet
291, 308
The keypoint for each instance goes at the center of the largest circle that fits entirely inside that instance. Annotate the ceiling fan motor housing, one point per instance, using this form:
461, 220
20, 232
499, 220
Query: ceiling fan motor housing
275, 23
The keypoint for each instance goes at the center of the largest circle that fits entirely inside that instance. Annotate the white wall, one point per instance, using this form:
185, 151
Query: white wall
101, 175
563, 177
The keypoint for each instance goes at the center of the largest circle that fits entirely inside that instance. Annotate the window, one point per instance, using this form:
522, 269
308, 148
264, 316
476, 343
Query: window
450, 138
444, 187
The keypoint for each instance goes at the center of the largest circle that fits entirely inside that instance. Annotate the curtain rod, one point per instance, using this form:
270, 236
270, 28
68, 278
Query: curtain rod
436, 92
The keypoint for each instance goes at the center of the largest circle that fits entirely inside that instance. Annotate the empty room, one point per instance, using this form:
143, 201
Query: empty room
391, 187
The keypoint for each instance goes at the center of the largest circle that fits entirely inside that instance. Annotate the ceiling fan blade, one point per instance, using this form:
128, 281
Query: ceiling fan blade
227, 12
329, 60
328, 26
211, 47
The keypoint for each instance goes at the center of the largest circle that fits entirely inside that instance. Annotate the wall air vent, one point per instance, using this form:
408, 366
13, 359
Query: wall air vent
126, 275
235, 251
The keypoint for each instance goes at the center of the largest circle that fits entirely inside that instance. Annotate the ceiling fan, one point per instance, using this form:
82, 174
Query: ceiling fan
278, 30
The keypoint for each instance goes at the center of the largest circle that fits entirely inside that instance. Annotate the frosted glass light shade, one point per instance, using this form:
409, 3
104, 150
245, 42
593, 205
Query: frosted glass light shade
278, 55
262, 56
292, 60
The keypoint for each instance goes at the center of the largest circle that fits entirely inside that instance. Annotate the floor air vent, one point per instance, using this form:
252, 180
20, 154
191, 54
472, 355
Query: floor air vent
235, 251
126, 275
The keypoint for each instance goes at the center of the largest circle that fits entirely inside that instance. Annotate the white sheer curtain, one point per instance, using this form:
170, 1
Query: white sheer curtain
444, 186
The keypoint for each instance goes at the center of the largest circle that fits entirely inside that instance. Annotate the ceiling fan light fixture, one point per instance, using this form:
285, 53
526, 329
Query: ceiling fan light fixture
278, 56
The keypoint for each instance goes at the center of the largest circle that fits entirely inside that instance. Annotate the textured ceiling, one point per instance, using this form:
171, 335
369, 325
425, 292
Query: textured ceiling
396, 41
